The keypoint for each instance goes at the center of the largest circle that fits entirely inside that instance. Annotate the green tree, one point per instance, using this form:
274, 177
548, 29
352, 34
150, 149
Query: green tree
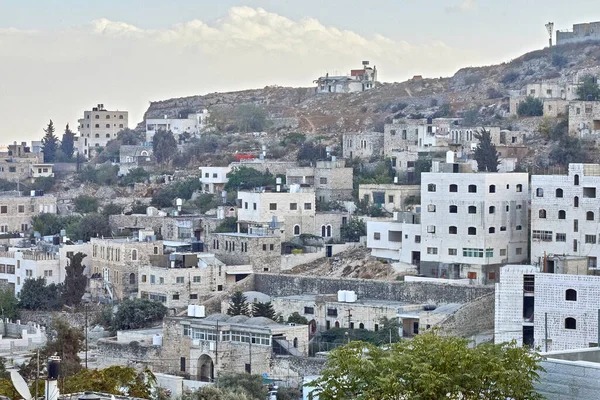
421, 165
49, 143
67, 144
135, 175
36, 295
138, 207
75, 280
470, 116
164, 146
162, 199
117, 380
245, 178
430, 366
111, 209
569, 150
530, 107
44, 183
130, 137
296, 318
9, 305
288, 393
260, 309
51, 224
588, 89
229, 224
91, 225
354, 229
311, 152
138, 313
485, 154
250, 385
238, 304
86, 204
250, 118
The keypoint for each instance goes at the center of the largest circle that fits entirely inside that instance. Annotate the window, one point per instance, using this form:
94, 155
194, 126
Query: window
179, 279
144, 278
489, 253
323, 181
376, 235
452, 230
47, 273
417, 238
431, 207
453, 188
492, 188
590, 239
570, 323
545, 236
559, 193
519, 188
575, 225
197, 279
472, 210
120, 116
293, 206
308, 206
492, 209
21, 209
576, 180
272, 206
518, 228
472, 230
430, 228
309, 310
561, 237
432, 250
393, 132
589, 192
453, 209
563, 215
97, 126
390, 199
176, 296
332, 312
472, 188
431, 187
574, 244
134, 255
3, 209
502, 252
254, 206
539, 192
542, 213
492, 229
296, 229
452, 252
132, 279
576, 201
571, 295
519, 251
468, 252
589, 216
271, 247
193, 296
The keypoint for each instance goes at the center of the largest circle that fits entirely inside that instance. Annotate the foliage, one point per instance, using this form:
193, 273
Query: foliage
311, 152
135, 175
51, 224
388, 332
115, 380
36, 295
238, 304
130, 137
559, 61
443, 111
288, 393
421, 165
49, 143
7, 389
588, 89
138, 207
354, 229
560, 130
510, 77
111, 209
67, 144
322, 205
138, 313
530, 107
105, 175
294, 139
245, 178
229, 224
203, 203
485, 154
250, 118
430, 366
470, 116
569, 150
86, 204
9, 305
6, 185
260, 309
183, 189
296, 318
250, 385
75, 280
44, 183
164, 146
382, 173
91, 225
162, 199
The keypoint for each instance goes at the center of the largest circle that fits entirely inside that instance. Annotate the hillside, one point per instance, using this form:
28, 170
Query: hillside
334, 113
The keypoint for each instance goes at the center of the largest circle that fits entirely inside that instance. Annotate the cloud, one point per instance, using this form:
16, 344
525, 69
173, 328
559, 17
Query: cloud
58, 74
464, 6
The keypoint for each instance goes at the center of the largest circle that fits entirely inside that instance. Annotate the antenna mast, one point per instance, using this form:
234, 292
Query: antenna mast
550, 29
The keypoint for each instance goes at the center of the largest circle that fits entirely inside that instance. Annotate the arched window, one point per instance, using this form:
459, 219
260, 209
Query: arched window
570, 323
296, 229
571, 295
107, 116
453, 209
453, 188
519, 188
492, 229
472, 188
539, 192
296, 342
576, 180
134, 255
559, 193
562, 214
132, 279
97, 116
323, 231
452, 230
542, 213
431, 187
155, 249
492, 209
361, 326
108, 125
108, 135
472, 210
576, 201
589, 215
328, 230
120, 116
492, 188
97, 135
472, 230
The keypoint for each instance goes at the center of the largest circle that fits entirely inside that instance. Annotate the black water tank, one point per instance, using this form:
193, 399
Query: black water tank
53, 369
56, 240
197, 247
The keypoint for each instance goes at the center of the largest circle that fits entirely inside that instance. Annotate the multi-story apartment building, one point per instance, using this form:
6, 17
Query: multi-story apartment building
548, 311
565, 214
398, 239
363, 145
214, 179
472, 223
332, 180
192, 125
98, 127
19, 163
17, 211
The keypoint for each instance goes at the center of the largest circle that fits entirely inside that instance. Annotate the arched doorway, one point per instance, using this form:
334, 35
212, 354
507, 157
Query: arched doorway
337, 324
206, 369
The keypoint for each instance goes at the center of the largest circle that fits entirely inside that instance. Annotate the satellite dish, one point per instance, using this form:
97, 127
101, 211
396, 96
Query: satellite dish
20, 385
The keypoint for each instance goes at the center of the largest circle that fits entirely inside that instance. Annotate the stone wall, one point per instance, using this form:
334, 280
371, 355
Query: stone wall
567, 380
473, 318
292, 369
132, 354
412, 292
45, 318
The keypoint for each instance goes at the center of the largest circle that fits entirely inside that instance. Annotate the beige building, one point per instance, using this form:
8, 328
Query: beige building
261, 251
18, 162
16, 211
332, 180
390, 197
363, 145
98, 127
584, 118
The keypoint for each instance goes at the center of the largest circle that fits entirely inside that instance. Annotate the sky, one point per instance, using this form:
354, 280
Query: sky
59, 58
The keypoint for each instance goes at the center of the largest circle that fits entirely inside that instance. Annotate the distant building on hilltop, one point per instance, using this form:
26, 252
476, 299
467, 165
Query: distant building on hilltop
98, 127
580, 33
191, 124
358, 81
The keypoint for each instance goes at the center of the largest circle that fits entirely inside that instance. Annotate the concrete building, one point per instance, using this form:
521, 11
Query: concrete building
259, 250
98, 127
547, 311
584, 118
187, 228
564, 214
472, 223
363, 145
19, 163
358, 81
17, 211
389, 196
398, 239
580, 33
204, 347
131, 157
214, 179
192, 125
331, 180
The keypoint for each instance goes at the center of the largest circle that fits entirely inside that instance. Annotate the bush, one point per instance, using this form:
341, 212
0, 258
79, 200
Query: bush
105, 175
138, 313
136, 175
474, 79
531, 107
229, 224
494, 93
470, 116
510, 77
559, 61
86, 204
44, 183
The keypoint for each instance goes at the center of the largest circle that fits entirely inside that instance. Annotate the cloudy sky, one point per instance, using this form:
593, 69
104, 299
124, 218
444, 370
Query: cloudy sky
60, 57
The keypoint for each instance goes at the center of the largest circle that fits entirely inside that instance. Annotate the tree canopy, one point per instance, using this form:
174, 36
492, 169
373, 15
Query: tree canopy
530, 107
485, 154
138, 313
429, 366
164, 146
49, 143
245, 178
75, 280
238, 304
588, 90
67, 144
36, 295
354, 229
250, 118
260, 309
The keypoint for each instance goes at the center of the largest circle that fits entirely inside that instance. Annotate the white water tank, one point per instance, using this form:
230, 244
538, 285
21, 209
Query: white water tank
450, 157
199, 312
157, 340
341, 296
191, 309
350, 296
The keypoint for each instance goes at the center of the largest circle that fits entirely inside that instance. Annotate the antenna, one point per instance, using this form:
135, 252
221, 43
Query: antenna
20, 385
550, 29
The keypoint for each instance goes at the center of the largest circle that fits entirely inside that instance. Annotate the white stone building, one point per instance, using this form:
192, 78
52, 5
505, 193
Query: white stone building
192, 125
358, 81
98, 127
362, 145
580, 33
398, 239
214, 179
584, 118
471, 223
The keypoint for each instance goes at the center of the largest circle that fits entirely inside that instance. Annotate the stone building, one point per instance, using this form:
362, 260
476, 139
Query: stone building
584, 118
580, 33
358, 81
554, 95
98, 127
192, 125
17, 211
389, 196
182, 227
396, 239
260, 250
116, 262
363, 145
131, 157
204, 347
19, 163
331, 180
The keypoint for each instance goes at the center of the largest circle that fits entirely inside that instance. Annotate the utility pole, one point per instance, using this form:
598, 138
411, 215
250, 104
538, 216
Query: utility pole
37, 374
349, 322
86, 335
250, 354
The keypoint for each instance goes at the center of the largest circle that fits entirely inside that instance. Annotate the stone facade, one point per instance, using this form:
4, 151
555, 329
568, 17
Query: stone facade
331, 180
388, 196
181, 228
98, 127
262, 252
363, 145
16, 211
584, 118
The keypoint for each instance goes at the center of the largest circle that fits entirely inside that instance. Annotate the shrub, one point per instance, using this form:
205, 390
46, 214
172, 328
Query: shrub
86, 204
531, 107
559, 61
510, 77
